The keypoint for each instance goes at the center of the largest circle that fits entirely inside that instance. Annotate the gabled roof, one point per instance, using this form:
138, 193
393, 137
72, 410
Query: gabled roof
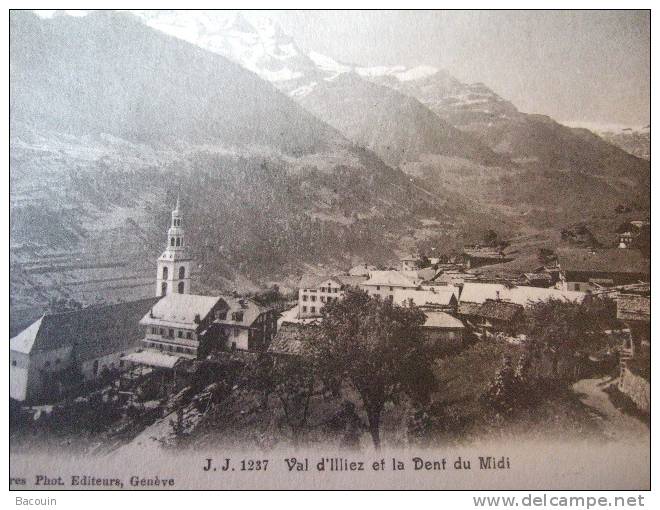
442, 320
465, 308
314, 281
437, 296
391, 278
311, 281
290, 339
180, 309
250, 308
361, 269
24, 341
350, 280
521, 295
92, 332
480, 292
499, 310
613, 260
632, 307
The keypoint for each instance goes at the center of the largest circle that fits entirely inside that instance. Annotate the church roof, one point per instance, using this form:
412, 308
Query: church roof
92, 332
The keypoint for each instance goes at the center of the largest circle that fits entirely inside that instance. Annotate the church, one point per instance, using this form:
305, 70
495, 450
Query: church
160, 331
183, 326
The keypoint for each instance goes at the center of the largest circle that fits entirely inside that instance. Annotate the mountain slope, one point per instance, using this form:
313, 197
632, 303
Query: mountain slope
388, 123
526, 137
108, 73
111, 119
396, 127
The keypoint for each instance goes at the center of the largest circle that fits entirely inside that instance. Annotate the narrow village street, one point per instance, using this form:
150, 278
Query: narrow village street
616, 424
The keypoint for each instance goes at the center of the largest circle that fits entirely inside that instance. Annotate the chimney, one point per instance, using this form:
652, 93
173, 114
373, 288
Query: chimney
197, 318
497, 294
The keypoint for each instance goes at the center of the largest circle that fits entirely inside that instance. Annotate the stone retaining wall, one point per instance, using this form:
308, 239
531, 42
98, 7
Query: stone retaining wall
637, 388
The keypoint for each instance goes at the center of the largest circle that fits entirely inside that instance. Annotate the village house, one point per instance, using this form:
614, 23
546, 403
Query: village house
629, 231
635, 356
492, 316
384, 283
477, 256
635, 312
586, 270
179, 327
59, 350
444, 330
315, 292
409, 263
361, 270
246, 325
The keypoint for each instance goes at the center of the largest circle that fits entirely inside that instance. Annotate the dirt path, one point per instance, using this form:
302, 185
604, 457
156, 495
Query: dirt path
616, 424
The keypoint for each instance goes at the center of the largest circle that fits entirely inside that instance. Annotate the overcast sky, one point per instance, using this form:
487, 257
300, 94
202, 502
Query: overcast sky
583, 66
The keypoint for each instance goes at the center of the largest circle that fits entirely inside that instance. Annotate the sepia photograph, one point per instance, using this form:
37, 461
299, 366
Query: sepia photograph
330, 249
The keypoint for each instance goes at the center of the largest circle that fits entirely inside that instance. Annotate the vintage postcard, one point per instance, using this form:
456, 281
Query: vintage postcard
329, 250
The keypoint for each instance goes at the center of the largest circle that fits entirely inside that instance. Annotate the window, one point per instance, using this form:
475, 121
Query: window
162, 331
163, 289
165, 273
323, 299
322, 289
313, 309
304, 297
172, 242
189, 335
391, 297
13, 363
179, 349
180, 334
313, 298
391, 289
171, 348
377, 287
178, 241
182, 273
181, 287
236, 331
171, 333
57, 361
304, 308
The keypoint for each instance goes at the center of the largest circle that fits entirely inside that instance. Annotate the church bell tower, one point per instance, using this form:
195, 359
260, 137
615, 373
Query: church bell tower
173, 273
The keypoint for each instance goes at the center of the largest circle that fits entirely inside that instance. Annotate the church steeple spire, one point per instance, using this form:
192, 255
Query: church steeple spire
174, 264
